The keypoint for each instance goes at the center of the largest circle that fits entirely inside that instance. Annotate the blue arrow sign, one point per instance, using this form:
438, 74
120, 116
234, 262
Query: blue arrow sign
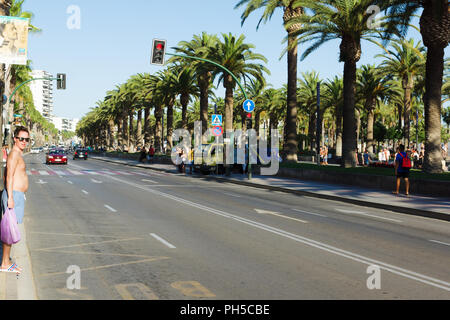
249, 106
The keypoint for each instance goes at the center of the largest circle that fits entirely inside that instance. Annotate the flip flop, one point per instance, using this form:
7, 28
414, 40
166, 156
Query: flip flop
12, 269
396, 193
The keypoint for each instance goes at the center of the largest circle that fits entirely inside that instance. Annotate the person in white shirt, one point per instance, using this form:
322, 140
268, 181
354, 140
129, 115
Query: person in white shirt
381, 156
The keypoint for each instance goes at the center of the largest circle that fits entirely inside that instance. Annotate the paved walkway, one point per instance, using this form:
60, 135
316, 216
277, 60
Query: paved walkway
434, 207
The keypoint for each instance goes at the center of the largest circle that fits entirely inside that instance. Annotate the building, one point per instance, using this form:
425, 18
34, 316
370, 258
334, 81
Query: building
65, 124
42, 91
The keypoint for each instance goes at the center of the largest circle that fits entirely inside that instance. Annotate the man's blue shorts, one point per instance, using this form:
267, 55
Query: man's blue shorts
19, 204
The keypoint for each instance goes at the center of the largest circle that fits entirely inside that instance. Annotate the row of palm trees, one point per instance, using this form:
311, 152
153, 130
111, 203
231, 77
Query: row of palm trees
406, 64
41, 129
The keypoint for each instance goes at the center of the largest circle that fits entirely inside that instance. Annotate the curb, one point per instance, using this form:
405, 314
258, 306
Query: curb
406, 210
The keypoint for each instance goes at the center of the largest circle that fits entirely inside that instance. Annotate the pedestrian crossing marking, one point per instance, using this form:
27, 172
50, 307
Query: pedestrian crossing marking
43, 173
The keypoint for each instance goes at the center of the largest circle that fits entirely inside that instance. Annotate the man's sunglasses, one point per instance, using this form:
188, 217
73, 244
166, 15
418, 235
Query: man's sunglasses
21, 139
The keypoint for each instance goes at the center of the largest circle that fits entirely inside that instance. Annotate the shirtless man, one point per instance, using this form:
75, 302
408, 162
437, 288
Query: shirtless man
13, 195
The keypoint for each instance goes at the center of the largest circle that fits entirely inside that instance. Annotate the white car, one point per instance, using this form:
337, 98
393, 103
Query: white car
34, 150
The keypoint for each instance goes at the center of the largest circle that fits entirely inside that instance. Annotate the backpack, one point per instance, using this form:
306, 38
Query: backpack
406, 162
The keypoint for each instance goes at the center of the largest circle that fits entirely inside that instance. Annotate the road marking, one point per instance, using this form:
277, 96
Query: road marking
307, 241
278, 215
86, 244
69, 182
233, 195
365, 214
41, 182
75, 173
143, 289
107, 266
148, 180
109, 208
314, 214
96, 181
84, 191
171, 246
43, 173
60, 173
447, 244
192, 289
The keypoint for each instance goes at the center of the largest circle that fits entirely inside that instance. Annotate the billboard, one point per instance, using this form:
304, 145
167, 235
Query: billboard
13, 40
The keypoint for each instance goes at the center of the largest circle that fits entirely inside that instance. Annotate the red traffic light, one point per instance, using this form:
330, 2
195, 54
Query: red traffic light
249, 115
159, 46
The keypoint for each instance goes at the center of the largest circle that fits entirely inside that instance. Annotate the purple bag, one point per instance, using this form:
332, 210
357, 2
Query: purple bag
9, 228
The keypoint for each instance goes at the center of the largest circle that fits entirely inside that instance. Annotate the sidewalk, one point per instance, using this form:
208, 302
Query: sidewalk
19, 287
432, 207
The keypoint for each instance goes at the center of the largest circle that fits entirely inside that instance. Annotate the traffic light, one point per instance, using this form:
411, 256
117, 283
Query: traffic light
159, 51
61, 81
249, 121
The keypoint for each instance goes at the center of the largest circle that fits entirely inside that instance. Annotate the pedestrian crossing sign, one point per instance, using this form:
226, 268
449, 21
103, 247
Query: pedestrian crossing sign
217, 120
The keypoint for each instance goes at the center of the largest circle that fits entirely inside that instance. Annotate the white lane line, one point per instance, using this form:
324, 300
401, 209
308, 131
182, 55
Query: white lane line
307, 241
69, 182
148, 180
365, 214
43, 173
171, 246
110, 209
447, 244
75, 173
84, 191
314, 214
233, 195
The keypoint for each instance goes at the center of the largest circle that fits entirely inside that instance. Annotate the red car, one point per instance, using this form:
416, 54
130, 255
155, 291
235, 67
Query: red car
56, 156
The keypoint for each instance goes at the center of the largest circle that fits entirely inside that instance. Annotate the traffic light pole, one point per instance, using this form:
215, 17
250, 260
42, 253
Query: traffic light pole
235, 79
25, 82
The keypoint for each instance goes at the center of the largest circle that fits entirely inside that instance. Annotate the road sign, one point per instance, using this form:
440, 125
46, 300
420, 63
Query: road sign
217, 120
217, 131
249, 106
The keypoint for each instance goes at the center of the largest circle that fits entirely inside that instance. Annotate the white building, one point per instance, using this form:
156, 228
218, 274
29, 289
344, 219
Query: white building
42, 93
64, 123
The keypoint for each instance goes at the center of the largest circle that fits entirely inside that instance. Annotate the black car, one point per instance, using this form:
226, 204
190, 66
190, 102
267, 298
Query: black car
80, 154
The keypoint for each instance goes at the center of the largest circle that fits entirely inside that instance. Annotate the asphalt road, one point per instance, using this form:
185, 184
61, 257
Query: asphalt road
119, 232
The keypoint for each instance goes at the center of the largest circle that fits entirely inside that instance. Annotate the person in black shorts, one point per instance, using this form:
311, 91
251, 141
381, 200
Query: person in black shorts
401, 170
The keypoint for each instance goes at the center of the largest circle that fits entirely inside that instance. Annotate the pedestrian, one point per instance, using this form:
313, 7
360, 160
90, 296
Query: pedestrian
13, 196
151, 154
321, 155
143, 155
366, 157
357, 156
381, 156
191, 160
387, 155
325, 155
402, 167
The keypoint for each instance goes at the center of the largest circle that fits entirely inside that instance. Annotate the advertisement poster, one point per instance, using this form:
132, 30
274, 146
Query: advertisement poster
13, 40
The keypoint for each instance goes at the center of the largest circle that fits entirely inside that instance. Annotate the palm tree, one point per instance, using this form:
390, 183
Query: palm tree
434, 26
200, 46
238, 58
346, 20
290, 12
372, 89
333, 97
406, 62
184, 84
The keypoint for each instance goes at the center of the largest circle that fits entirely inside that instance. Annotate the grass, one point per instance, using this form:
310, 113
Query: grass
414, 173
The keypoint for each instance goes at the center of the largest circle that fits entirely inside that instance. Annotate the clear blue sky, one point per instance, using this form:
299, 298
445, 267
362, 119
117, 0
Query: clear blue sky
115, 39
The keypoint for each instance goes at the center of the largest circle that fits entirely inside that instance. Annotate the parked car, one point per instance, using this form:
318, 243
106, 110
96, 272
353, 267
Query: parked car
34, 150
56, 156
80, 154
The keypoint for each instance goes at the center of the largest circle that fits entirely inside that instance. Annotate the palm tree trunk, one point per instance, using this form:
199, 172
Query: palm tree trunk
407, 87
139, 129
204, 86
184, 100
228, 84
257, 120
432, 100
338, 132
370, 121
131, 137
125, 130
158, 127
290, 144
119, 134
358, 125
147, 127
169, 125
349, 126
